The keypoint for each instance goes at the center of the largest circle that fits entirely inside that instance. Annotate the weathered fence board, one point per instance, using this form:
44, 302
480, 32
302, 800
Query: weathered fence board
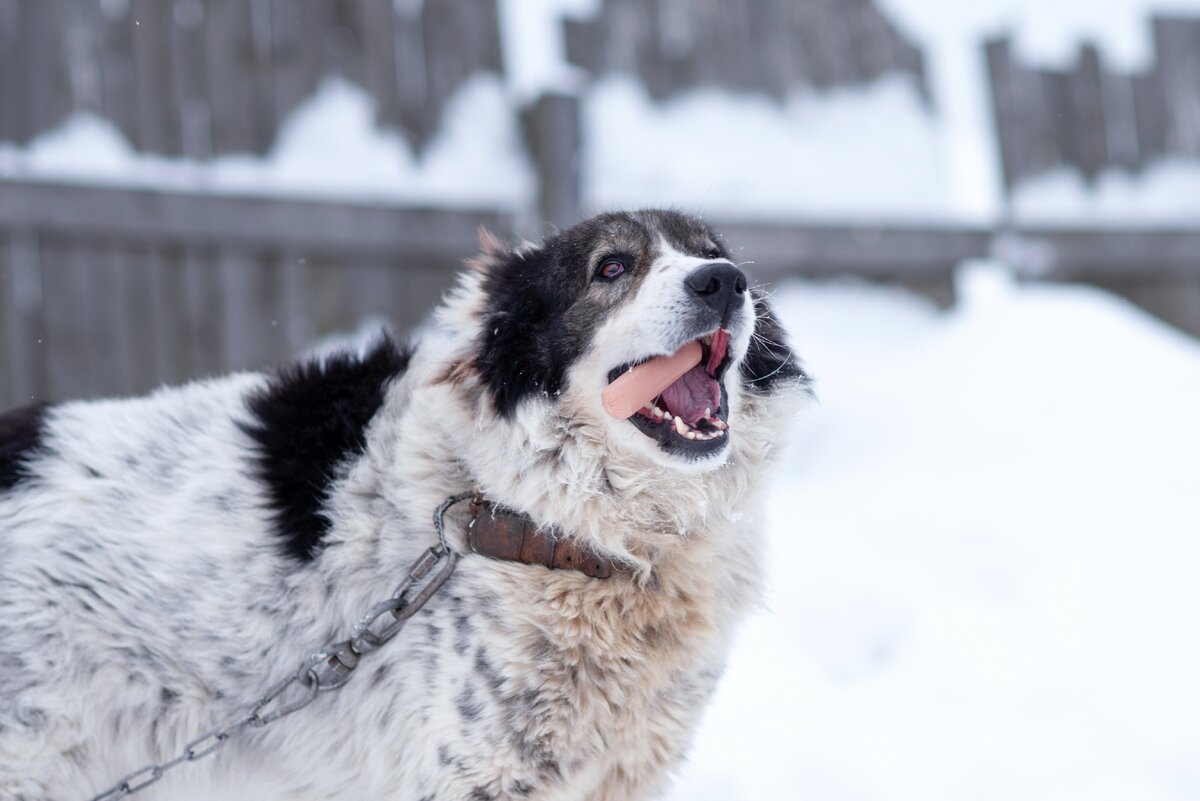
206, 77
68, 314
1177, 45
672, 45
1090, 117
109, 290
893, 252
1157, 269
235, 220
554, 131
22, 319
1083, 253
875, 251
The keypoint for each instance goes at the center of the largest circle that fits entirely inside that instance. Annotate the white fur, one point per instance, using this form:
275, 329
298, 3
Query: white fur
143, 599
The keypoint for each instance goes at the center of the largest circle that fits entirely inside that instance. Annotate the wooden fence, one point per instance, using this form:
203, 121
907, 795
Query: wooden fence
111, 290
1090, 116
206, 77
114, 291
1155, 268
766, 47
107, 291
200, 78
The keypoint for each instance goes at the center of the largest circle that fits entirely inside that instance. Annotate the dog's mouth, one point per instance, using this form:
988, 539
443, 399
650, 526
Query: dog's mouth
690, 416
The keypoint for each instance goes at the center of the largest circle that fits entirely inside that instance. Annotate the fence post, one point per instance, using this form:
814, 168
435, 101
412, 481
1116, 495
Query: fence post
24, 330
7, 317
553, 133
1087, 85
1177, 46
998, 52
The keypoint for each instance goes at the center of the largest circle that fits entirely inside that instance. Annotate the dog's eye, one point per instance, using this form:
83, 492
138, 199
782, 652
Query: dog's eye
712, 253
610, 269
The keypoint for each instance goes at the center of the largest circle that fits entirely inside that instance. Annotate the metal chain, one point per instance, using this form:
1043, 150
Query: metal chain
327, 669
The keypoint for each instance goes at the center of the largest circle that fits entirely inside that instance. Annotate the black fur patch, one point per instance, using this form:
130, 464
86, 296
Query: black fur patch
308, 420
20, 437
523, 352
769, 360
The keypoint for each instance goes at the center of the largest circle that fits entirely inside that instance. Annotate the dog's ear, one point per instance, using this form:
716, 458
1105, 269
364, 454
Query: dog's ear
491, 252
770, 362
517, 356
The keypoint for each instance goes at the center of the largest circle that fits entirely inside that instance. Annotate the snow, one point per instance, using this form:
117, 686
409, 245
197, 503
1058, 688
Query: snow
983, 552
1168, 192
328, 147
535, 55
750, 157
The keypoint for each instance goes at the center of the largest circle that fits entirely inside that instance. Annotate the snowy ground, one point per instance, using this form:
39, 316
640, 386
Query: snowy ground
984, 555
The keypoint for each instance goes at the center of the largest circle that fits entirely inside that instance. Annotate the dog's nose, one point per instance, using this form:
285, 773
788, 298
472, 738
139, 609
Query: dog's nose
719, 285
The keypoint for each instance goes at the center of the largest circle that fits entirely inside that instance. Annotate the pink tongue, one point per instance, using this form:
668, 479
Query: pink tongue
691, 394
720, 344
637, 387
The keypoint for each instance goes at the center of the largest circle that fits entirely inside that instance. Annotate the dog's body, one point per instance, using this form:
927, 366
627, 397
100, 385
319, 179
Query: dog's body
164, 560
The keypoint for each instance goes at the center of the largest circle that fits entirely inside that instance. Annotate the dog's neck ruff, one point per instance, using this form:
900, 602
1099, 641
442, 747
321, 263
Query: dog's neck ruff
501, 533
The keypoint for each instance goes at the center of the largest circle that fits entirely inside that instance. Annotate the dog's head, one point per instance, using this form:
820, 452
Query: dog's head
555, 324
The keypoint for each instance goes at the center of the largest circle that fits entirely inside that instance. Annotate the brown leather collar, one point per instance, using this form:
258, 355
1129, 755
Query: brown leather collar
501, 533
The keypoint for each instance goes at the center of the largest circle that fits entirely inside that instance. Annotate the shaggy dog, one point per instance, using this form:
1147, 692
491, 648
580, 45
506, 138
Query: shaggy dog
164, 560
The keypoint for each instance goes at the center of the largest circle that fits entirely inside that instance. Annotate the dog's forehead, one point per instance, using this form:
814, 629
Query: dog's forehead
681, 232
645, 233
620, 233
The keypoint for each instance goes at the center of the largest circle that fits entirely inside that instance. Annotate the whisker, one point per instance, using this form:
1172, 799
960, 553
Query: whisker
773, 372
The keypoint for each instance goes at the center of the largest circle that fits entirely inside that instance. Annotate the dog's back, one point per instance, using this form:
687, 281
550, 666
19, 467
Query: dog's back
130, 534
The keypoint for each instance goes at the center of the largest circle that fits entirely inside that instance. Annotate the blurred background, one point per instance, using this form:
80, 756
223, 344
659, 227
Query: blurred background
980, 222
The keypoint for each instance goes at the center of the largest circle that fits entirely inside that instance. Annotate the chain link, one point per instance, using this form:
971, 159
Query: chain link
327, 669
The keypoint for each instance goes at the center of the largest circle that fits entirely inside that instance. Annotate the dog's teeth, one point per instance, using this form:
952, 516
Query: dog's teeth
658, 412
691, 435
718, 423
681, 426
719, 432
707, 411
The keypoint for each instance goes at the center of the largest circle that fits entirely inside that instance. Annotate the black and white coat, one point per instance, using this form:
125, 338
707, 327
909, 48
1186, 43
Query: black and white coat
164, 559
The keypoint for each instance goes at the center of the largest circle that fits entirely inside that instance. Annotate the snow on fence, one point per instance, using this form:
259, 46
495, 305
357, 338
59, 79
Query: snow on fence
109, 291
675, 45
1091, 117
200, 78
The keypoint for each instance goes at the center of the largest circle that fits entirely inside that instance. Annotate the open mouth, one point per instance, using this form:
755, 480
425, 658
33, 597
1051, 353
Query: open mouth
689, 416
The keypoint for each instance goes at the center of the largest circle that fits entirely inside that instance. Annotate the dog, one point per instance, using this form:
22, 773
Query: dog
164, 560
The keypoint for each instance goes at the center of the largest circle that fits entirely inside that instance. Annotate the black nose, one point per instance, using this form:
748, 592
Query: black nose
719, 285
